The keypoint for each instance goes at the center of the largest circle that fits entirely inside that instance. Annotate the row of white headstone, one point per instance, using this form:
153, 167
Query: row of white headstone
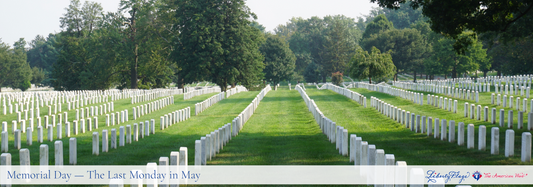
148, 108
201, 106
24, 154
421, 124
237, 89
208, 146
148, 95
509, 102
359, 151
139, 131
512, 90
475, 112
361, 99
174, 117
193, 93
447, 90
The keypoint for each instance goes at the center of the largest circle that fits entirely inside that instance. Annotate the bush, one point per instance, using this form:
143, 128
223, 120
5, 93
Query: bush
24, 85
336, 78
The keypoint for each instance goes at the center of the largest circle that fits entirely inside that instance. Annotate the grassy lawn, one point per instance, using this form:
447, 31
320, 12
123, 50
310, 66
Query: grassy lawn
281, 132
152, 147
394, 138
484, 100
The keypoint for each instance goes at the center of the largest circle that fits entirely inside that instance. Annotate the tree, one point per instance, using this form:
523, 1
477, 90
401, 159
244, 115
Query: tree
338, 48
15, 71
217, 43
481, 16
336, 78
43, 53
458, 64
312, 73
404, 16
407, 46
279, 59
117, 51
38, 75
81, 20
379, 24
374, 65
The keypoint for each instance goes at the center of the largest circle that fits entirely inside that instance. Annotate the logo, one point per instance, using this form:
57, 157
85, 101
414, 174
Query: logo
477, 175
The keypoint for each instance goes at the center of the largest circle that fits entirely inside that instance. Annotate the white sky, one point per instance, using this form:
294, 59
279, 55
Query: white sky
28, 18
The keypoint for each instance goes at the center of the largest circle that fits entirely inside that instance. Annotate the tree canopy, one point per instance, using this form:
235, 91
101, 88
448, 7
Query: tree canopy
279, 59
218, 43
374, 65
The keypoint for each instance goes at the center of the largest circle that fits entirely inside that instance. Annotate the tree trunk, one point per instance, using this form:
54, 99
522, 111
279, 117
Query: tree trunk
370, 80
414, 76
485, 74
499, 73
396, 76
445, 76
134, 69
180, 82
323, 79
133, 76
454, 72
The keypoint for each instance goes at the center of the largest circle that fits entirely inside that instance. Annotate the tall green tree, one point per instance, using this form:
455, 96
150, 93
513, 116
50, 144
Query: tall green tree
42, 52
339, 46
217, 43
279, 59
15, 70
81, 20
404, 16
379, 24
458, 64
408, 48
374, 65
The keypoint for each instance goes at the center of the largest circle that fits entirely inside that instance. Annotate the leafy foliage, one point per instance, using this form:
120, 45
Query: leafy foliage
407, 47
481, 16
312, 73
336, 78
217, 43
379, 24
375, 65
15, 71
279, 59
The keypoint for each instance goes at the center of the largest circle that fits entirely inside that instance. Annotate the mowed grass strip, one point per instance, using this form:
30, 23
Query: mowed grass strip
394, 138
281, 132
434, 112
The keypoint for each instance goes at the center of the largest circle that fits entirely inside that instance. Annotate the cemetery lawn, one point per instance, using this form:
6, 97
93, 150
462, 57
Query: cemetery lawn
282, 131
145, 150
484, 100
394, 138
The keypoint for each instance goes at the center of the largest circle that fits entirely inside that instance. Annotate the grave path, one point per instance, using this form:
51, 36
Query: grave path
281, 132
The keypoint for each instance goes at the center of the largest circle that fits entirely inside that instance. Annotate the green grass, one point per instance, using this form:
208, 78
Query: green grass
152, 147
281, 132
484, 100
394, 138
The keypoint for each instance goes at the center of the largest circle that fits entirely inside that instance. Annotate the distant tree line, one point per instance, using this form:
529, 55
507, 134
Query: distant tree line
152, 43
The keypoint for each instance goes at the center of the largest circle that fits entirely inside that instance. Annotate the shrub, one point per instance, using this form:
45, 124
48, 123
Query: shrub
336, 78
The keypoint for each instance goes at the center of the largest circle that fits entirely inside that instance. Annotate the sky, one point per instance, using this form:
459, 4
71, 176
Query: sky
29, 18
